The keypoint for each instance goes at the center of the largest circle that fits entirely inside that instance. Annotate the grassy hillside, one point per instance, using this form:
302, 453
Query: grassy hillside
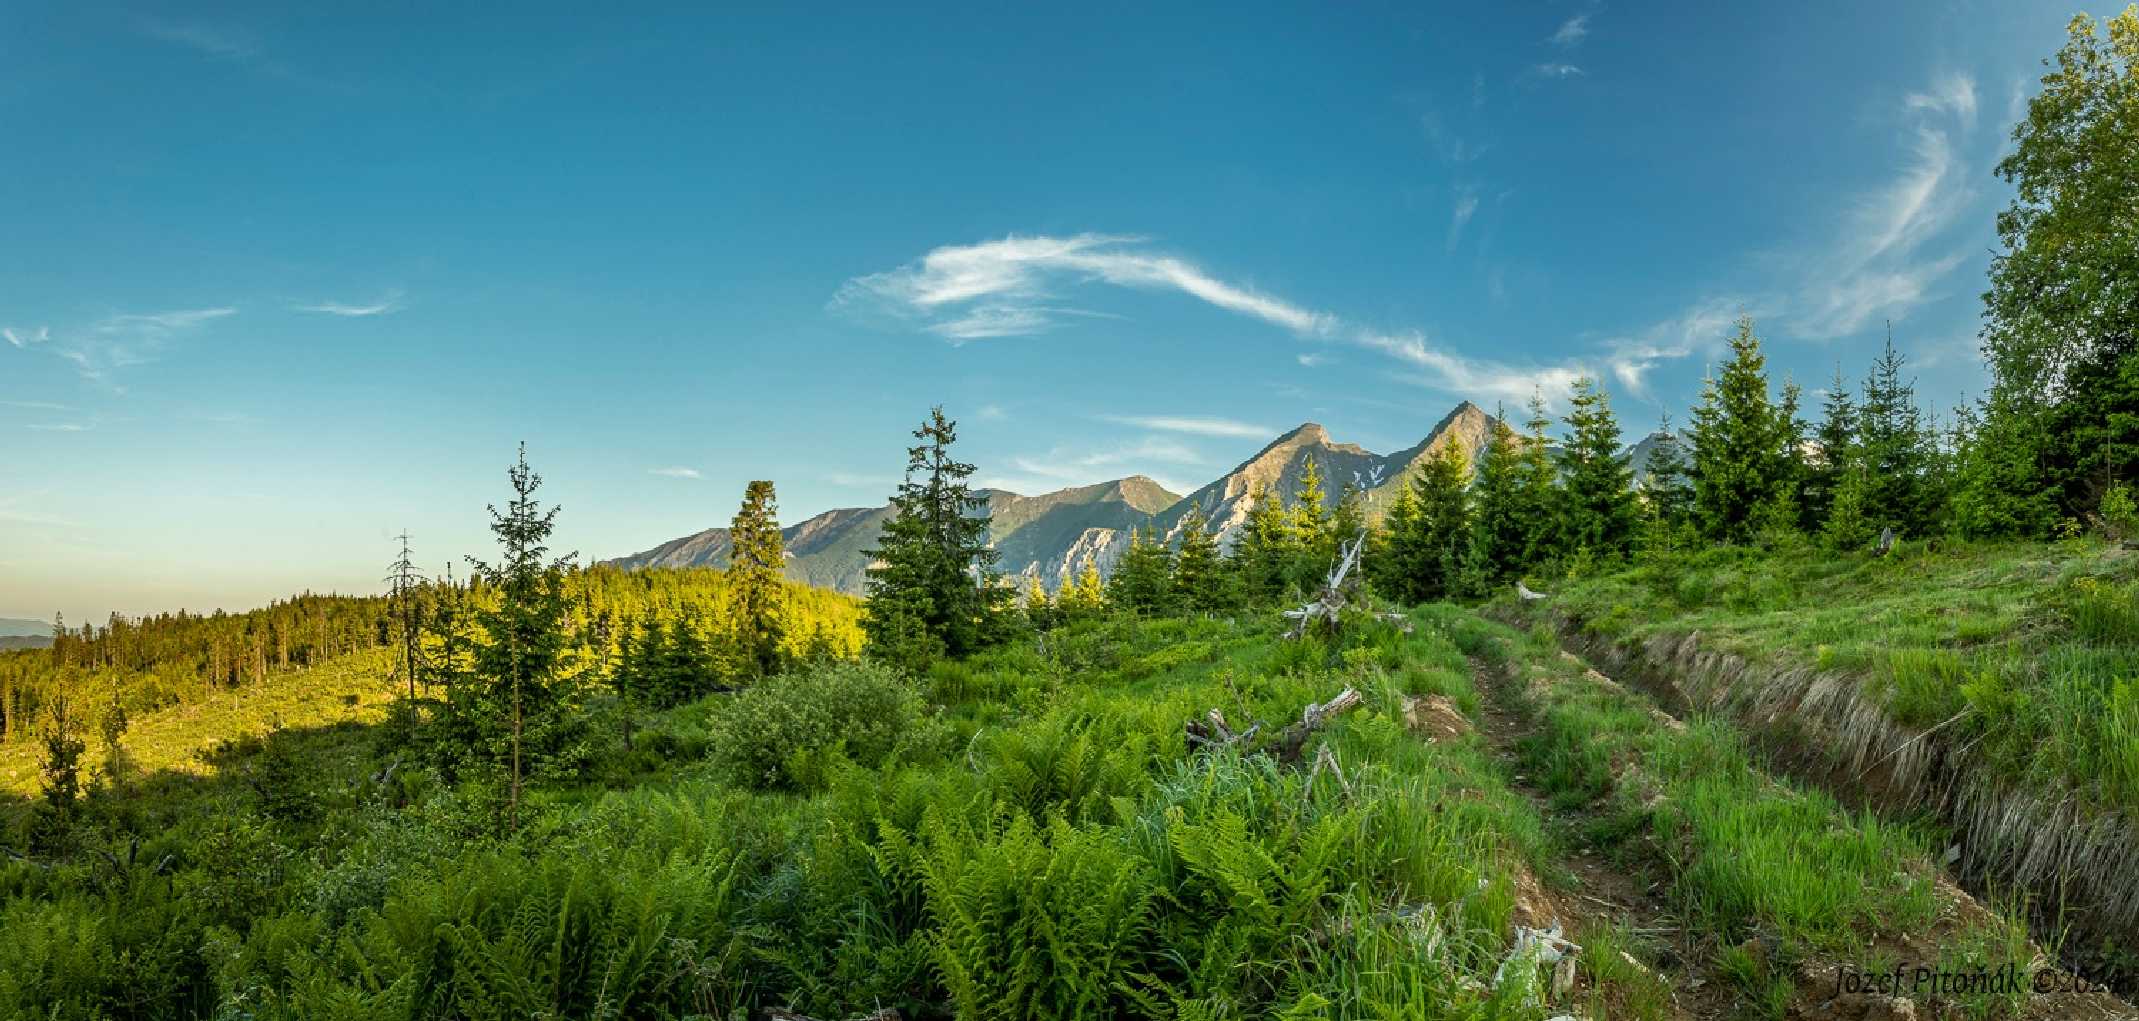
1028, 833
353, 689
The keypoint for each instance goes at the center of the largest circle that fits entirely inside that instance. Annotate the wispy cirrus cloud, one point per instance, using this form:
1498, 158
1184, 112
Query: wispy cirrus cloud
1557, 70
1701, 327
390, 303
219, 41
1017, 279
1193, 426
1571, 32
1466, 207
116, 342
1004, 288
675, 472
1887, 259
61, 427
1473, 378
1950, 93
1063, 466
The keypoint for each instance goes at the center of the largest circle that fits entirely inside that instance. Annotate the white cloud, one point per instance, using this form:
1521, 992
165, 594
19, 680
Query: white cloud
1193, 426
36, 405
1466, 207
1309, 361
1879, 267
1558, 70
997, 288
118, 341
61, 427
675, 473
991, 413
1952, 93
388, 304
218, 42
1571, 31
1702, 327
1060, 468
1474, 379
1015, 273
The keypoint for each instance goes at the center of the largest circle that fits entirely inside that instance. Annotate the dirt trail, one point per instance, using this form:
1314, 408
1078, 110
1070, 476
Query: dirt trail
1602, 892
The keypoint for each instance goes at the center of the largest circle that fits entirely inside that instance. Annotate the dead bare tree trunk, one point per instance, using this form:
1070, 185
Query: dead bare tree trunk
1335, 591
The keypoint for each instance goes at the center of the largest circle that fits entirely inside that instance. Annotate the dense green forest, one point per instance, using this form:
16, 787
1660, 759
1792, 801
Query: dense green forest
1810, 691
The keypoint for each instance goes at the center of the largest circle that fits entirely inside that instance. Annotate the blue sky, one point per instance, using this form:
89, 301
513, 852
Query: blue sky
280, 280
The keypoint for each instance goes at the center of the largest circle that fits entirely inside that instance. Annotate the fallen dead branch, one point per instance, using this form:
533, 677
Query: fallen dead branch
1213, 731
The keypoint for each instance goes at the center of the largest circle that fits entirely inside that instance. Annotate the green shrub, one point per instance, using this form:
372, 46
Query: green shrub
770, 735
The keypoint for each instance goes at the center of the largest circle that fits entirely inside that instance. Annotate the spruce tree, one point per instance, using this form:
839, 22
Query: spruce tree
932, 584
1849, 527
1310, 515
1143, 577
1601, 514
1740, 468
1083, 596
1499, 540
1201, 580
1537, 486
1429, 551
756, 562
1666, 488
1836, 439
1895, 447
1265, 548
1039, 610
2000, 487
54, 820
528, 637
1393, 550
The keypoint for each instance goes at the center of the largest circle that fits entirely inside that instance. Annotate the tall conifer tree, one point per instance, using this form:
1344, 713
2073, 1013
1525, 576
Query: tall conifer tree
1739, 465
932, 584
756, 561
1600, 511
1201, 580
1499, 543
1538, 489
524, 660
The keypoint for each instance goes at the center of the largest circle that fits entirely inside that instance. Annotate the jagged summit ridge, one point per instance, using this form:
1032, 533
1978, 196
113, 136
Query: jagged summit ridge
1050, 535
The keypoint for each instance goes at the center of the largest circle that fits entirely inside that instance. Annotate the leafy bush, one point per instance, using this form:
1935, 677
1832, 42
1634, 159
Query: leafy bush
764, 736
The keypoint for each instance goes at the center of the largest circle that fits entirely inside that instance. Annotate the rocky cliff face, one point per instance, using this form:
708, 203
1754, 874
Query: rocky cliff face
1226, 501
1050, 536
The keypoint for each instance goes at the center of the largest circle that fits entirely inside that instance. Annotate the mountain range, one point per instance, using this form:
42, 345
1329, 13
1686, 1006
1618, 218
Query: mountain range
1049, 536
